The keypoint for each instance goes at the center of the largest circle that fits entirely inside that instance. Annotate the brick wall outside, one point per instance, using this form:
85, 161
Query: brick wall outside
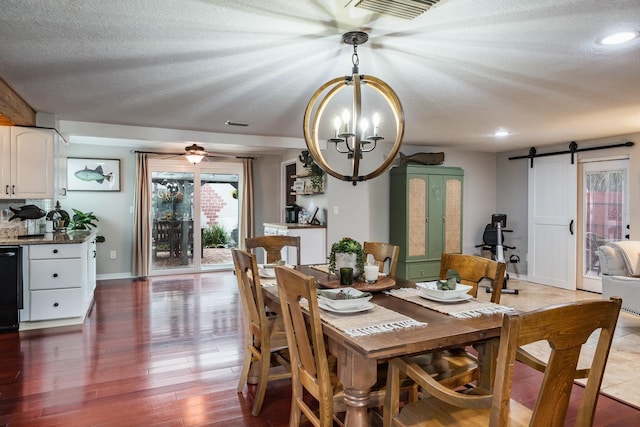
211, 203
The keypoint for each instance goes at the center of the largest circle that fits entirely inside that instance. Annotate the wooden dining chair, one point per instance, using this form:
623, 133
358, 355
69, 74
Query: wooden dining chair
273, 245
455, 367
564, 327
311, 367
381, 253
471, 270
265, 338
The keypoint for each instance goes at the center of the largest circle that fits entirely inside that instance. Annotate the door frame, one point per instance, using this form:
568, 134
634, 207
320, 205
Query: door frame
178, 165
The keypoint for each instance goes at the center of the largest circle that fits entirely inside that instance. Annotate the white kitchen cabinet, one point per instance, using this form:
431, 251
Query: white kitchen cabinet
313, 242
61, 280
28, 164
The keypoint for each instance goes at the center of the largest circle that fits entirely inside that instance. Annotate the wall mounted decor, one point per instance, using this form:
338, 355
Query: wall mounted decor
93, 174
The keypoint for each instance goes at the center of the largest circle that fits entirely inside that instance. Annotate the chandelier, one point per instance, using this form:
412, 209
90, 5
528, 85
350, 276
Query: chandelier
350, 130
194, 153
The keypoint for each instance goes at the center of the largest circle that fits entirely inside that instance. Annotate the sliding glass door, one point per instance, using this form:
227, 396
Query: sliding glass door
195, 215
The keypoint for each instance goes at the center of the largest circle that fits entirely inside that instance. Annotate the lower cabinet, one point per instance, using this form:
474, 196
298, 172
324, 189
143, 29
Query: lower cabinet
61, 280
313, 246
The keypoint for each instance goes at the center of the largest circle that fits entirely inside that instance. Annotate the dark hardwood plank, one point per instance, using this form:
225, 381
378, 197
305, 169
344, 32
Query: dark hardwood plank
162, 351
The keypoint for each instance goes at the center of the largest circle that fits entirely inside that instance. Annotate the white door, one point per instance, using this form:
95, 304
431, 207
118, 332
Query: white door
552, 222
604, 217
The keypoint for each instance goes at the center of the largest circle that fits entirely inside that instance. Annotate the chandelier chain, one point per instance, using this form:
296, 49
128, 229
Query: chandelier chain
354, 58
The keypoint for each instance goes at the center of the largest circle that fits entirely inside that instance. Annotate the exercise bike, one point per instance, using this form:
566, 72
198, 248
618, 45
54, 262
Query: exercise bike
492, 240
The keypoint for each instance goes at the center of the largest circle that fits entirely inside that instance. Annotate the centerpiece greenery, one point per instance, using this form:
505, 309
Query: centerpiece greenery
347, 246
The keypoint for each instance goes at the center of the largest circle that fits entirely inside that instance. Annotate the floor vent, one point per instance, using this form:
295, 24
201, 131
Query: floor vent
406, 9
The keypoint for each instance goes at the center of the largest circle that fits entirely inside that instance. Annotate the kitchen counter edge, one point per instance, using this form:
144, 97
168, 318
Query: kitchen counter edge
291, 225
74, 236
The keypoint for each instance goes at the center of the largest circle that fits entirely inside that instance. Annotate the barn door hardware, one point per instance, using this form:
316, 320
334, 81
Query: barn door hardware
573, 148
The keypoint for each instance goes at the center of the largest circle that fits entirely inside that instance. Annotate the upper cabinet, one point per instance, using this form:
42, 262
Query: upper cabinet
31, 158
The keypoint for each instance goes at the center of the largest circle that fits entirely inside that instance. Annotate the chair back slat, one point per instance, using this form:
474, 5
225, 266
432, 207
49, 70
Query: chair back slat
273, 245
309, 364
250, 290
383, 253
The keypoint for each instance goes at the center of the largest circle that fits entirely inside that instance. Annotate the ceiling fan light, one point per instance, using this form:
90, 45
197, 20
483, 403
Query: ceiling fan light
195, 154
194, 158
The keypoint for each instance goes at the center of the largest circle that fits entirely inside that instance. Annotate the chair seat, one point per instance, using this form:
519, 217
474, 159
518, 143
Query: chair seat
433, 412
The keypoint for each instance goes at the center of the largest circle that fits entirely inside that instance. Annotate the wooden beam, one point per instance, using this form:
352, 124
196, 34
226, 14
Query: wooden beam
14, 108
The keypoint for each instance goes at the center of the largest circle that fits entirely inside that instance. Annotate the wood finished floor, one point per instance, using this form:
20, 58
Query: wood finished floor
161, 352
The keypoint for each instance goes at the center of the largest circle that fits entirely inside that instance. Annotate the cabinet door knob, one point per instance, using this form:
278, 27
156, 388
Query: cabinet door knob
55, 251
55, 304
55, 274
13, 189
6, 189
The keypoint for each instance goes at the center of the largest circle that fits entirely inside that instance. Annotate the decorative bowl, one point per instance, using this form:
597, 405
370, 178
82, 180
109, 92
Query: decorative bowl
431, 289
343, 298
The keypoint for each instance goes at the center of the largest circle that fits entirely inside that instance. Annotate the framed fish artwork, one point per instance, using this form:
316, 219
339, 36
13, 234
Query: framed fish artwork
93, 174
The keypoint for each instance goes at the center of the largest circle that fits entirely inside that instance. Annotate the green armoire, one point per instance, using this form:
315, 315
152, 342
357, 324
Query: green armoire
425, 217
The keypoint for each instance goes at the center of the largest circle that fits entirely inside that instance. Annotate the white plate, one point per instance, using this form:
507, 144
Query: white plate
432, 298
364, 307
269, 273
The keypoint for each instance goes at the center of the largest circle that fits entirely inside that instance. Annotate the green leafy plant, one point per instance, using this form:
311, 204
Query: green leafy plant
216, 236
348, 246
316, 175
84, 221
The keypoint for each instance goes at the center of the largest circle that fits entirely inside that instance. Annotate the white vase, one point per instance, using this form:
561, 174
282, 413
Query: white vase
347, 260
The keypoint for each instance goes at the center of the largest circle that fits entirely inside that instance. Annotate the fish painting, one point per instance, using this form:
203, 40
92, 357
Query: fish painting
96, 175
27, 212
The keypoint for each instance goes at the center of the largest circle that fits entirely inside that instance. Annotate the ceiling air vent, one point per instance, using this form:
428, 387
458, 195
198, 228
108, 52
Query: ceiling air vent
406, 9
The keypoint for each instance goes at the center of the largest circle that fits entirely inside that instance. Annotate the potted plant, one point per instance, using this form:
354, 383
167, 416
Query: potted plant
84, 221
316, 176
347, 253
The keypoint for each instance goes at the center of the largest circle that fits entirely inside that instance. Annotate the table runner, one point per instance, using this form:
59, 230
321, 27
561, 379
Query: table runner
373, 321
462, 310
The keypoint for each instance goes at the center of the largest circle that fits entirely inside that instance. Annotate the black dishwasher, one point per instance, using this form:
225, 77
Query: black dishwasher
10, 287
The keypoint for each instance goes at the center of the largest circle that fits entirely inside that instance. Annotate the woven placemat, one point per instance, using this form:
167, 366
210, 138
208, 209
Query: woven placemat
464, 309
375, 320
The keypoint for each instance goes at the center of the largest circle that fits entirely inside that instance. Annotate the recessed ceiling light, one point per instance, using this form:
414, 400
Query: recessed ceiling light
618, 38
501, 133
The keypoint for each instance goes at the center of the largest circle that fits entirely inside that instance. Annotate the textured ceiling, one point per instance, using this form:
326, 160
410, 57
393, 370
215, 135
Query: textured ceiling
462, 70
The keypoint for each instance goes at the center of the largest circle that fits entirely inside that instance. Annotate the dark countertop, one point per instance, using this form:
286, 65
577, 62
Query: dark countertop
74, 236
291, 225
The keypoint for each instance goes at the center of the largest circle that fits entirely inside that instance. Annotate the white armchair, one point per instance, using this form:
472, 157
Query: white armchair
620, 267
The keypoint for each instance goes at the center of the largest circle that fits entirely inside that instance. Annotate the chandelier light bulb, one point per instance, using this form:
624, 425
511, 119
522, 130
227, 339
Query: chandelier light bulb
364, 125
336, 123
376, 123
346, 116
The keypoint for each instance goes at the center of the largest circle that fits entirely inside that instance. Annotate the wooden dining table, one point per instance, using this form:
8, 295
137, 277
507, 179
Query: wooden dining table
358, 357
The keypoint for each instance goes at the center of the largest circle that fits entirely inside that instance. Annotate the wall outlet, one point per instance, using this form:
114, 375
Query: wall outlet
112, 255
